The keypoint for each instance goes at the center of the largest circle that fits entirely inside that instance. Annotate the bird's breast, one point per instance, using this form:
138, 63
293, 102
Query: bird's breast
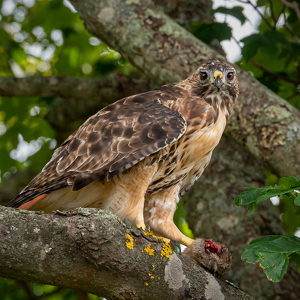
198, 142
191, 154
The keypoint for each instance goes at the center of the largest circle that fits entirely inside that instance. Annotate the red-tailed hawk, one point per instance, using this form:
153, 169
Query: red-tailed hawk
138, 156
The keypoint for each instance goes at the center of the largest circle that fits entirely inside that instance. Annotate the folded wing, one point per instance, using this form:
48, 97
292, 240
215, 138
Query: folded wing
109, 142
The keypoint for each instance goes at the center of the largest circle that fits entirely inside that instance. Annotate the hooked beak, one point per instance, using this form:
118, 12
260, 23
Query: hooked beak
218, 79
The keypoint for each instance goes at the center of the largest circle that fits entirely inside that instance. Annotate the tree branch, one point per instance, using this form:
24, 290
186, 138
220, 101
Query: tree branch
71, 87
278, 76
65, 116
93, 251
264, 123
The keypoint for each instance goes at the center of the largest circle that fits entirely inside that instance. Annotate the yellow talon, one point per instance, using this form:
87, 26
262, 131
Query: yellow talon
167, 241
187, 241
141, 225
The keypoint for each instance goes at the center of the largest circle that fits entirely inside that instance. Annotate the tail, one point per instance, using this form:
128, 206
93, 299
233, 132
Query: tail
26, 200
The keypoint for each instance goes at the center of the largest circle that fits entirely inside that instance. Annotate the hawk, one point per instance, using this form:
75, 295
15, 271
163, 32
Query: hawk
138, 156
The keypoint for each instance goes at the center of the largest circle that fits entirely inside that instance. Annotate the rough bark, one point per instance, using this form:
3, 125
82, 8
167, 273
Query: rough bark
93, 251
91, 90
210, 213
268, 126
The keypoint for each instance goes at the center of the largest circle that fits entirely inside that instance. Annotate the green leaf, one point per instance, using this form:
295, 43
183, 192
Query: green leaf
289, 182
297, 200
255, 42
262, 2
236, 11
272, 253
254, 196
251, 45
268, 42
252, 207
206, 32
250, 195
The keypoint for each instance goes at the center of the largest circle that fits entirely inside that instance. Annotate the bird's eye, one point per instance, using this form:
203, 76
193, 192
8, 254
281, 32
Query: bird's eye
203, 75
230, 76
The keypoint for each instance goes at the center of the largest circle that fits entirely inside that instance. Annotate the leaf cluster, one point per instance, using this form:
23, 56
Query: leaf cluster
272, 252
272, 54
43, 38
253, 196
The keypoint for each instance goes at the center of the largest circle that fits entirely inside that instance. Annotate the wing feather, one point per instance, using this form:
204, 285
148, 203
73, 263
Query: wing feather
111, 141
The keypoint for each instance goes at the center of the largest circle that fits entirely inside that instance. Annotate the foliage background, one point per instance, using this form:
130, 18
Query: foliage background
47, 38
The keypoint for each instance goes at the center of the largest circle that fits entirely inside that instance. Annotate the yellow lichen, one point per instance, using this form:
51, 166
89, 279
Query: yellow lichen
151, 276
129, 243
146, 283
151, 233
153, 267
166, 250
149, 250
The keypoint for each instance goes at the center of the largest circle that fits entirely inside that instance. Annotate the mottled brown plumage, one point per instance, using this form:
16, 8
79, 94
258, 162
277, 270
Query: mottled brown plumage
139, 155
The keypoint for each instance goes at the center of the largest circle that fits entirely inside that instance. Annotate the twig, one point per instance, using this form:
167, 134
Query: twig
49, 294
288, 29
24, 284
237, 42
262, 16
282, 12
292, 5
292, 96
273, 74
272, 13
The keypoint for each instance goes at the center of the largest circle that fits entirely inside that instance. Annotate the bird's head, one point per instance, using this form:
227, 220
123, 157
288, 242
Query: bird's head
216, 82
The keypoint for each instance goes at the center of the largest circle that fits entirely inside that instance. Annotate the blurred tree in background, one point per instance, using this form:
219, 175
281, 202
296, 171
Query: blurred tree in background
48, 38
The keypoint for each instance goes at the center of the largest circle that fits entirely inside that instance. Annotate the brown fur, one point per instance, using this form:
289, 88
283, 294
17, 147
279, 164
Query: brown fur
217, 263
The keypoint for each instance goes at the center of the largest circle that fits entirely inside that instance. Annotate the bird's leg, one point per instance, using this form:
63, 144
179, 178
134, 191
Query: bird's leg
159, 211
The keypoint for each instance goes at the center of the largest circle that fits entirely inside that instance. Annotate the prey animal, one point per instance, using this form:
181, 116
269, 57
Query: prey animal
138, 156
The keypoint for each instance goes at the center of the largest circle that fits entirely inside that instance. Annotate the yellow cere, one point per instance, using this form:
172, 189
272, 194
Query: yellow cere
218, 73
129, 243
